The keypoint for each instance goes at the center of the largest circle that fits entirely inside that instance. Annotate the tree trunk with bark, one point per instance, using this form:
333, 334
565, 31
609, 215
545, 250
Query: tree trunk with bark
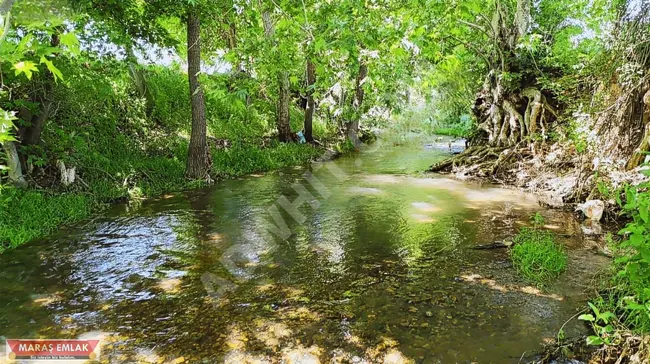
309, 110
357, 102
283, 115
510, 116
282, 112
199, 160
639, 155
9, 147
31, 135
13, 163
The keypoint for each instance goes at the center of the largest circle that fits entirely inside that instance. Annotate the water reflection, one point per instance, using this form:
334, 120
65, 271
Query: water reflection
377, 269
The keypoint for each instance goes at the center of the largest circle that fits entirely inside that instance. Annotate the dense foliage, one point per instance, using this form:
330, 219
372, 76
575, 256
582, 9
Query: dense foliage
624, 303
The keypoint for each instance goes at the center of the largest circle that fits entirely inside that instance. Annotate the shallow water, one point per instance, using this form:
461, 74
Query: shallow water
378, 267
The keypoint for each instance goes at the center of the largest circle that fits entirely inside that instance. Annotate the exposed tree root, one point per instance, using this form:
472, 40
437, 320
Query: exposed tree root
557, 173
485, 160
508, 118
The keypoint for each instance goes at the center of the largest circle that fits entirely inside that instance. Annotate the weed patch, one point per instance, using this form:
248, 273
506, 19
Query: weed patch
536, 255
26, 215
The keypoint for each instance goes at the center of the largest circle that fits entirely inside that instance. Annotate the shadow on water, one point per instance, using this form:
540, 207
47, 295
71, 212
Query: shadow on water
379, 270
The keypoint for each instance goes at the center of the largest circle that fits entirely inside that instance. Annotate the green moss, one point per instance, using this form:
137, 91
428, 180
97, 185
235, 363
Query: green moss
537, 256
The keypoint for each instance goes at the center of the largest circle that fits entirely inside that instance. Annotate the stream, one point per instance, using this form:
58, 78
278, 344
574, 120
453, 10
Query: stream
378, 267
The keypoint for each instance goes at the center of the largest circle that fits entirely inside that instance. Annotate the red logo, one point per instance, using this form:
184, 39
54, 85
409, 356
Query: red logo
52, 349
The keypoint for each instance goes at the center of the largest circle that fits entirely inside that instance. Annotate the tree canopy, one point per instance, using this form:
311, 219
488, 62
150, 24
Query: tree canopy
512, 66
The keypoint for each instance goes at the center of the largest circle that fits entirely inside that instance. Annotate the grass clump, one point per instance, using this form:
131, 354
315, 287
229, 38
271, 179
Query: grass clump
26, 215
536, 255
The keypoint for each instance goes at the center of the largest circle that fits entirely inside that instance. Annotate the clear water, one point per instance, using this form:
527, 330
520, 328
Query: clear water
379, 269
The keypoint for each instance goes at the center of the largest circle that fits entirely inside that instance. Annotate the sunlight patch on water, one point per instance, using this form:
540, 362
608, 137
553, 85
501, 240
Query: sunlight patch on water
394, 356
46, 300
438, 183
170, 285
500, 195
364, 190
242, 357
491, 283
301, 355
425, 207
271, 333
421, 218
383, 178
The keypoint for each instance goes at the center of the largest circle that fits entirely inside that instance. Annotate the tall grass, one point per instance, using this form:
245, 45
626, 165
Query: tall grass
536, 255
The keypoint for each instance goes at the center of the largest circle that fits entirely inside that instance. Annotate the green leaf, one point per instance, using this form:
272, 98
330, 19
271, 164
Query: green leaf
594, 340
593, 308
70, 40
643, 212
606, 316
24, 43
319, 44
50, 66
587, 317
26, 67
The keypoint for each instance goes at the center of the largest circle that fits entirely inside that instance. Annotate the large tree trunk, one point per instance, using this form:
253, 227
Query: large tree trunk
309, 111
32, 134
13, 163
282, 112
641, 151
11, 152
510, 116
353, 125
198, 161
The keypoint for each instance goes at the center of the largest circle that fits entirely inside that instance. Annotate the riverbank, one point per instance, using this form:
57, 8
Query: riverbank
105, 144
619, 309
31, 213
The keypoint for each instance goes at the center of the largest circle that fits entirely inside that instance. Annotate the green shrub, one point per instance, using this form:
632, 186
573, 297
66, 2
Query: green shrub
624, 304
633, 276
536, 255
455, 131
